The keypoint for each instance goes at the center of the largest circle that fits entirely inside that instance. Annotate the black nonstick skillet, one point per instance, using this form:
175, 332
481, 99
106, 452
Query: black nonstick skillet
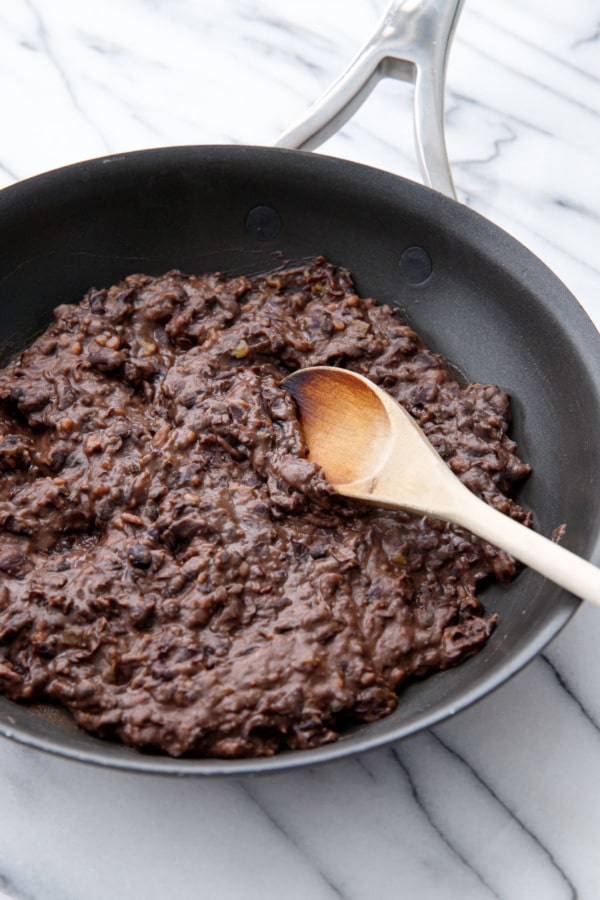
475, 295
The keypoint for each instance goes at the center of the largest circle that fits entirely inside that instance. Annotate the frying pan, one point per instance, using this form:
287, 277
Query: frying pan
475, 295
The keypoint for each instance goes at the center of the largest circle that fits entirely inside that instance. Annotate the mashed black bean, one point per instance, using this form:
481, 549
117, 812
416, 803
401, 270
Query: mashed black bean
174, 571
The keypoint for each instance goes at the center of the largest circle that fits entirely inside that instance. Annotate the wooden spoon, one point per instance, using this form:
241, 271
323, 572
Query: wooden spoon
371, 449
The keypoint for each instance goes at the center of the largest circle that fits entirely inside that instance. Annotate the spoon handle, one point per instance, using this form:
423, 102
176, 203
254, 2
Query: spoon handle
555, 562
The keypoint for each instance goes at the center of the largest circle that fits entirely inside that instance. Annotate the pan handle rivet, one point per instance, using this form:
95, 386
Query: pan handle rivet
416, 265
263, 223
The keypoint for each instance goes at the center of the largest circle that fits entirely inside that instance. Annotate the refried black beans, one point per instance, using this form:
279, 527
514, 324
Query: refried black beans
173, 569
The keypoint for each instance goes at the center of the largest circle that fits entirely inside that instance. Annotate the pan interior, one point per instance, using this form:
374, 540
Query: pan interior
474, 294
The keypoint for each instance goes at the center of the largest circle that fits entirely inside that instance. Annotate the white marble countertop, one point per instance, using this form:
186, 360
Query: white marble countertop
502, 801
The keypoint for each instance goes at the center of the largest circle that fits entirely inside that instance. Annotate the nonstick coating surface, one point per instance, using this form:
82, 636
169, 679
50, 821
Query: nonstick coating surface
489, 306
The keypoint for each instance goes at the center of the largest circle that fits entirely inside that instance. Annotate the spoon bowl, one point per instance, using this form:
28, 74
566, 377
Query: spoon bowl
340, 413
371, 449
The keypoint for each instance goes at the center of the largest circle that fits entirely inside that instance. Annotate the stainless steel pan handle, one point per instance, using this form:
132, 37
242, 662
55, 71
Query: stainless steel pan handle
411, 43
